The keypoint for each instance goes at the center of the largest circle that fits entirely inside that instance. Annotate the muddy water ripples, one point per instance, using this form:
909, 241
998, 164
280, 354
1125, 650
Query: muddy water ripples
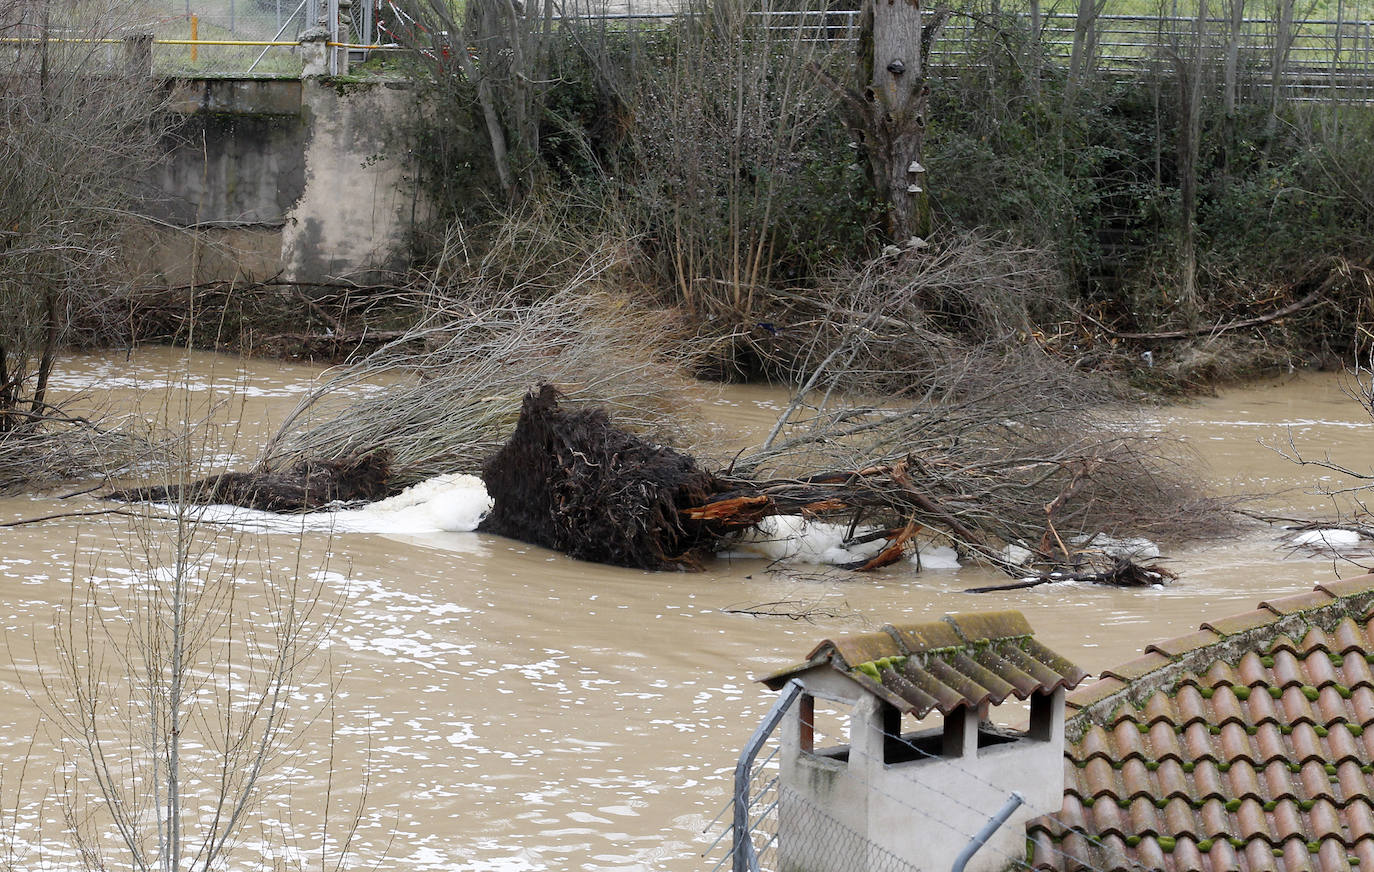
510, 709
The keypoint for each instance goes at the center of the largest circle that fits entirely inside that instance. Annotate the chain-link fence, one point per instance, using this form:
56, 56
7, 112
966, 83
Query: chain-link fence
211, 36
809, 838
252, 37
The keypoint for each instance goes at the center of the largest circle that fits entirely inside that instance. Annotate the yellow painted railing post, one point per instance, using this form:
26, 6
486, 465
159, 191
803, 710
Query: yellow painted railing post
195, 30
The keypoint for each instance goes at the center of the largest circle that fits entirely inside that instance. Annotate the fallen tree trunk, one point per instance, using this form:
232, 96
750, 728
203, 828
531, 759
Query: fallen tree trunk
573, 482
303, 487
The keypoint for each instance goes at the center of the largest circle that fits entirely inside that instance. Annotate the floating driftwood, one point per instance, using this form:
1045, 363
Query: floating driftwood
572, 481
1115, 571
302, 487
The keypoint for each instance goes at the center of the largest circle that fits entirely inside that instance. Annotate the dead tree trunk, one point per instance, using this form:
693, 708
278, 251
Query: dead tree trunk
1084, 45
1283, 41
1232, 85
1190, 70
887, 113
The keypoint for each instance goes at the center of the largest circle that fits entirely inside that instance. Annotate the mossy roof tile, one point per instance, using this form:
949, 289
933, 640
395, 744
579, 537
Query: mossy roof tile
1301, 602
925, 637
1239, 623
1360, 584
964, 660
1140, 666
1095, 692
1180, 645
1236, 747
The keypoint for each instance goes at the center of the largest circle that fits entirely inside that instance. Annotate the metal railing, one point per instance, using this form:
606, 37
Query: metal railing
1326, 57
749, 821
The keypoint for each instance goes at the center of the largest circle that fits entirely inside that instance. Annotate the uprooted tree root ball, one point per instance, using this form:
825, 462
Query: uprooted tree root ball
571, 481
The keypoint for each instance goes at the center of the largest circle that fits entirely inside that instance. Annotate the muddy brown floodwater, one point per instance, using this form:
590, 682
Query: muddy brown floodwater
523, 711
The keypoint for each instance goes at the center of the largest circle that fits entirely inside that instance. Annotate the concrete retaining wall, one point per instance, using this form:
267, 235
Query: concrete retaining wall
275, 176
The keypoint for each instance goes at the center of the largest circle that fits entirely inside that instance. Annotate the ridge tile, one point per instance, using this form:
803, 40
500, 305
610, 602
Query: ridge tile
1140, 666
1298, 602
1180, 645
1349, 586
1240, 623
1094, 692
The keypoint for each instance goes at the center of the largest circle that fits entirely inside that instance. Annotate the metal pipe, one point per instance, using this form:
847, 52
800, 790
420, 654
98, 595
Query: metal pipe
741, 846
981, 837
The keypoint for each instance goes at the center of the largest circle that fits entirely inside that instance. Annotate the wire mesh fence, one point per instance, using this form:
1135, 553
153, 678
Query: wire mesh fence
810, 838
211, 36
1326, 54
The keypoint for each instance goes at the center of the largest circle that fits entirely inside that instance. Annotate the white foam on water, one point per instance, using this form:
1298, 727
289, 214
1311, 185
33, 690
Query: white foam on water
444, 504
1017, 555
936, 557
1137, 548
793, 538
797, 539
1333, 539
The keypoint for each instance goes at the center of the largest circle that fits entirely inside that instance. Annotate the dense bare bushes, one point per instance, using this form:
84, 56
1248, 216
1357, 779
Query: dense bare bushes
78, 123
449, 390
894, 324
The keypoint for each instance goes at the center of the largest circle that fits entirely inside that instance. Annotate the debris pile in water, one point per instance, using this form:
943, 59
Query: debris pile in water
573, 481
302, 487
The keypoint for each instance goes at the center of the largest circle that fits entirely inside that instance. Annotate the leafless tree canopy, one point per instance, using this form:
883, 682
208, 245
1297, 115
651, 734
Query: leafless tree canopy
78, 124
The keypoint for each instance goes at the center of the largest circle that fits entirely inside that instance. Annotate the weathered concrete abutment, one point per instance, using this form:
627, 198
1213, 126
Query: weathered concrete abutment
276, 176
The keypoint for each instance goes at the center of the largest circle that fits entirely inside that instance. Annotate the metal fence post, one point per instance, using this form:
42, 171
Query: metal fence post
741, 845
333, 28
981, 837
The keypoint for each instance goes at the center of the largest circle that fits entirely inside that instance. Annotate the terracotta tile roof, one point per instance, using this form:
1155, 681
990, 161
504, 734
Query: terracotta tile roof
965, 659
1248, 745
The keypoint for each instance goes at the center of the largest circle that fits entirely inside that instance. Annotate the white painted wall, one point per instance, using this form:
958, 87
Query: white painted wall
923, 811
